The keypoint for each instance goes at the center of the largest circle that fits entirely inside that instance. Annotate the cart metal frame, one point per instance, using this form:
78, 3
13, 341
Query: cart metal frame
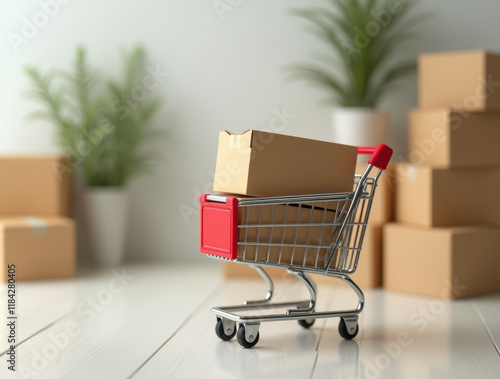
348, 227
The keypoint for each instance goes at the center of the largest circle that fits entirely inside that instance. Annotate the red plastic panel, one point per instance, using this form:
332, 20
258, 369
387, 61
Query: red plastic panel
219, 227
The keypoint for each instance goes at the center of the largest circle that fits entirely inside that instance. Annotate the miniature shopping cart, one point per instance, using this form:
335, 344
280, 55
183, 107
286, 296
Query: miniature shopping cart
305, 234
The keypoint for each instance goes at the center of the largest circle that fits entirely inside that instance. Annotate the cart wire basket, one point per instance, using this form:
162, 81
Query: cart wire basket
305, 234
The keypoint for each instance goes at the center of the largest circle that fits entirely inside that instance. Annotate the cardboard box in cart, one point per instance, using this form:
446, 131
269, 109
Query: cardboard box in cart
40, 247
369, 271
257, 163
322, 233
445, 262
468, 80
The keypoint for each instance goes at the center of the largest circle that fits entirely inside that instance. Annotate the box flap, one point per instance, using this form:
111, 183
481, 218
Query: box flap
236, 141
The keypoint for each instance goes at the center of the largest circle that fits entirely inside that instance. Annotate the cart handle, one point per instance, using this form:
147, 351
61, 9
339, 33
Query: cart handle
381, 155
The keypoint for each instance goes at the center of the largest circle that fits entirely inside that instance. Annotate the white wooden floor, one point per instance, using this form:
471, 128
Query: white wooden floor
156, 323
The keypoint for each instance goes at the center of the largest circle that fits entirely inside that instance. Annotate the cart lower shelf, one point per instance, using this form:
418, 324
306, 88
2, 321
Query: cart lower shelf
302, 311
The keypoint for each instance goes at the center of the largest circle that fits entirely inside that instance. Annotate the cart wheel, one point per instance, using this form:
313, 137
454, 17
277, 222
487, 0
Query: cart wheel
221, 333
344, 333
306, 324
241, 338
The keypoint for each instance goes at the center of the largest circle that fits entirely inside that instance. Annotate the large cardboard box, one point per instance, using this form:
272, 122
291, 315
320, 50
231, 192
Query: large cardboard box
258, 163
35, 185
40, 248
449, 263
447, 197
445, 138
467, 80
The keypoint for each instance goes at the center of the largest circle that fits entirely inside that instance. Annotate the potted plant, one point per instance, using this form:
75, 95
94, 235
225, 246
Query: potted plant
363, 36
102, 126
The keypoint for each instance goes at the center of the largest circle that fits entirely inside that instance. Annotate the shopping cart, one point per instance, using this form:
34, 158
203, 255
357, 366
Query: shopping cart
305, 234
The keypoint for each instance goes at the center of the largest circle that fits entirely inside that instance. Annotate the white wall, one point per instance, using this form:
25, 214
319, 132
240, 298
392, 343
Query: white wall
223, 74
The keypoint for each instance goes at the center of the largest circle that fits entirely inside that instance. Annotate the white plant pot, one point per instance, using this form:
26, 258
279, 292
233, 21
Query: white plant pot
106, 213
359, 126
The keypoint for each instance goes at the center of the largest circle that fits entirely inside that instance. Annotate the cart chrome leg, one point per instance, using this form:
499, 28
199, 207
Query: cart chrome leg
304, 278
248, 331
354, 286
270, 287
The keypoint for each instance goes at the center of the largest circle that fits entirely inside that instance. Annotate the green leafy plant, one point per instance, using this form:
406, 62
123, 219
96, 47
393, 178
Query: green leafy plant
101, 125
363, 36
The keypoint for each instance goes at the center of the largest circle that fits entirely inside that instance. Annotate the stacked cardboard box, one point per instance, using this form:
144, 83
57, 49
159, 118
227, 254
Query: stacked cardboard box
446, 241
37, 234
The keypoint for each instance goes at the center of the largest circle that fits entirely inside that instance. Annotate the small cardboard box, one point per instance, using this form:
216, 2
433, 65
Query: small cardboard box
441, 262
258, 163
40, 248
449, 139
288, 235
429, 196
461, 80
35, 185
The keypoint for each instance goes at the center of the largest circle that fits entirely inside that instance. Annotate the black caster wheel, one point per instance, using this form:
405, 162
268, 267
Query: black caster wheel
344, 333
224, 335
306, 324
243, 342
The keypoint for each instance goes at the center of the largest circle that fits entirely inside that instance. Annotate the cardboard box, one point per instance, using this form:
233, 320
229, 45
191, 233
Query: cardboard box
382, 209
441, 262
289, 235
243, 270
448, 139
429, 196
368, 273
35, 185
467, 80
41, 248
258, 163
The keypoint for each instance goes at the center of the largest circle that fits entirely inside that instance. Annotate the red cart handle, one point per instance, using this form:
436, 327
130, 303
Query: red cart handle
381, 155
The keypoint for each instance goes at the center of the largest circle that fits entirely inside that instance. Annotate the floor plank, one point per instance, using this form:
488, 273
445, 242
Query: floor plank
115, 335
488, 310
38, 304
412, 337
285, 349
